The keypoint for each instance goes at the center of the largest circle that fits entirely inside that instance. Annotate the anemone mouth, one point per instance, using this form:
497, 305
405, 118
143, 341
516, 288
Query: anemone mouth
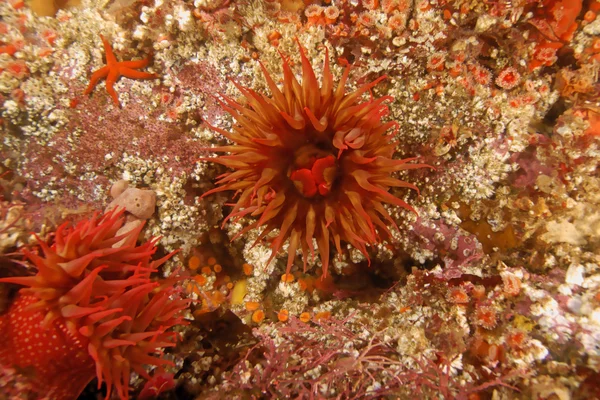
313, 171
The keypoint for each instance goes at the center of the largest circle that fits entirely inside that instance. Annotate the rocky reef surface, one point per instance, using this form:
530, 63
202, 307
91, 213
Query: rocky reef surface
483, 284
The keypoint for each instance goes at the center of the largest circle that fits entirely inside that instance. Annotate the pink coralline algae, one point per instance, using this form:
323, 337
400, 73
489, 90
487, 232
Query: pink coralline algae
458, 249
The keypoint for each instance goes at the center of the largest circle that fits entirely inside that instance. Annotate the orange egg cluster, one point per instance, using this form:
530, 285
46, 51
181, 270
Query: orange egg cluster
211, 284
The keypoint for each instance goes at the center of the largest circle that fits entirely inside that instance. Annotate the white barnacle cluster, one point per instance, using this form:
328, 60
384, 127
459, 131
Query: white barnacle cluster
582, 283
176, 220
258, 256
14, 228
294, 299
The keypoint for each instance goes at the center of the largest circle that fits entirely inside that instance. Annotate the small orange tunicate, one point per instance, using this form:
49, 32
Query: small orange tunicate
494, 353
515, 103
194, 263
413, 24
436, 61
481, 75
200, 280
50, 36
211, 261
486, 351
217, 268
17, 4
283, 315
247, 269
322, 315
303, 284
313, 10
305, 317
18, 95
45, 51
18, 69
424, 5
589, 16
287, 278
456, 70
388, 5
258, 316
397, 22
252, 305
206, 270
274, 37
217, 297
9, 49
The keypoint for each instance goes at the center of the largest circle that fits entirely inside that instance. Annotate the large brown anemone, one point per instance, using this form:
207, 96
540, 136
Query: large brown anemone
313, 162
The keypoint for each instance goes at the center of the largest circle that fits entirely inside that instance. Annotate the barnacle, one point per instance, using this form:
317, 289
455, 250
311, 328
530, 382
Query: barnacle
312, 161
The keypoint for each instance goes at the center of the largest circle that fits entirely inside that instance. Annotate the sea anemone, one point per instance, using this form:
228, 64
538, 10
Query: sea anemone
92, 309
313, 162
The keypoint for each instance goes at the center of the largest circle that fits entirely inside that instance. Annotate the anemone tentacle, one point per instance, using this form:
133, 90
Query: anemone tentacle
94, 287
326, 155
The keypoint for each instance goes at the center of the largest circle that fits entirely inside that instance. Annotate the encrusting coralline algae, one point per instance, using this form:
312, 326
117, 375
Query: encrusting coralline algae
490, 289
